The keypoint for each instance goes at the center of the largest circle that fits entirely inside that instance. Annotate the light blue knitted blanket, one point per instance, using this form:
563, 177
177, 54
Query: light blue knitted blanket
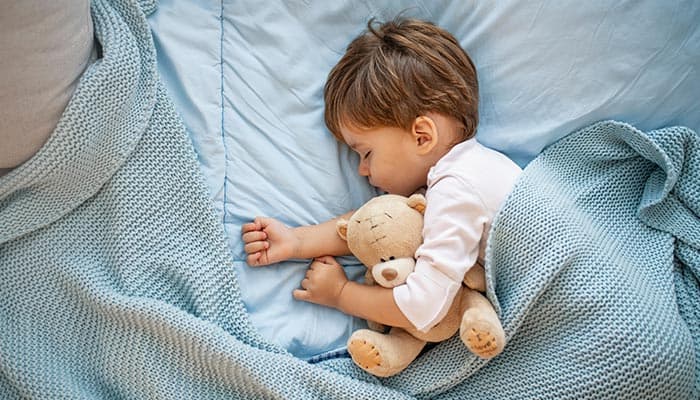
116, 281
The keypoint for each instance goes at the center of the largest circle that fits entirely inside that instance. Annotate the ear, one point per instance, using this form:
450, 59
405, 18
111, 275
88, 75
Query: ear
417, 202
425, 133
342, 228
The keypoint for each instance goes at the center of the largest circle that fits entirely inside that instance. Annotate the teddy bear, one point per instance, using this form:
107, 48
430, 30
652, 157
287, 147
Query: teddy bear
384, 235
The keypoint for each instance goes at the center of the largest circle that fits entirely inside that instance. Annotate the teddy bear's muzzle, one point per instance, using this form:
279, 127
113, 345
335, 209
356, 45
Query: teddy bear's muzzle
394, 272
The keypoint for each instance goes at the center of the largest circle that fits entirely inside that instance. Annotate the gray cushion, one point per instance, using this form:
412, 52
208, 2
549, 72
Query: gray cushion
44, 48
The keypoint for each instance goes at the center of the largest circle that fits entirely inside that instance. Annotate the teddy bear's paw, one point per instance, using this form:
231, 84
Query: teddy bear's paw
383, 354
481, 342
365, 354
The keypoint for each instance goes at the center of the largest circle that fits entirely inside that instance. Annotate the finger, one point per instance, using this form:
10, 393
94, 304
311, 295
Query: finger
299, 294
253, 236
315, 264
253, 259
250, 226
328, 260
255, 247
263, 222
305, 283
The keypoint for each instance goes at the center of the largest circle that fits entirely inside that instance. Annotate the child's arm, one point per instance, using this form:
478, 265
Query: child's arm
268, 241
326, 284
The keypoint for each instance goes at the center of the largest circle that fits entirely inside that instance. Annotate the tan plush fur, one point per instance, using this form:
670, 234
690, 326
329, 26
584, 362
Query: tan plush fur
384, 235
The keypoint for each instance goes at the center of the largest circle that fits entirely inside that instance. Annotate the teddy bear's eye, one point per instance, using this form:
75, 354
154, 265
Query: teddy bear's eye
392, 258
382, 260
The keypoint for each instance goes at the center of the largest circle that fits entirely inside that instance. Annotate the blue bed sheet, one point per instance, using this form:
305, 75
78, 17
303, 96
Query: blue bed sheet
248, 79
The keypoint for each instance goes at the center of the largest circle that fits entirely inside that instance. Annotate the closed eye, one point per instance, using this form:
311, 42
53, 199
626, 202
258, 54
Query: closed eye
364, 156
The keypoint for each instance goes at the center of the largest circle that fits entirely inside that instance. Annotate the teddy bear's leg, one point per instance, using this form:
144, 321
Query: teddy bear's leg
475, 278
481, 330
384, 354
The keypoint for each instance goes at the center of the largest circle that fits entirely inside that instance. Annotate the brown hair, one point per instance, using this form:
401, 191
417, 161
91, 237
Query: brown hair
398, 71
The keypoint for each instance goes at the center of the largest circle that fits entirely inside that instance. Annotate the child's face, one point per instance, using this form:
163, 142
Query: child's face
388, 158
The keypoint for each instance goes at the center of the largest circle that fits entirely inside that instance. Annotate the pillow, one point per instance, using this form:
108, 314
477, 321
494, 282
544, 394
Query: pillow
44, 48
549, 68
248, 82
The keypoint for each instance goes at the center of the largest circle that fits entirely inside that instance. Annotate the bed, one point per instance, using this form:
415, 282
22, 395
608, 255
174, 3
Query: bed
142, 290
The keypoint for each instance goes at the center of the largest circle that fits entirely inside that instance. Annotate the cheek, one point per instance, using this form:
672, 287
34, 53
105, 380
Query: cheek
377, 172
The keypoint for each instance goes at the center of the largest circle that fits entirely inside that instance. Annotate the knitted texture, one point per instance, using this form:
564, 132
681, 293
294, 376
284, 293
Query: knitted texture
116, 280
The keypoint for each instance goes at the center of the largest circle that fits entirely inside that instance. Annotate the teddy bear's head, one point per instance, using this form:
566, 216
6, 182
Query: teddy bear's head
384, 235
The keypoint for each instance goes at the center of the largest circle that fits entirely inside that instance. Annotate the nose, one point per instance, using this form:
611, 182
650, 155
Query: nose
389, 274
363, 169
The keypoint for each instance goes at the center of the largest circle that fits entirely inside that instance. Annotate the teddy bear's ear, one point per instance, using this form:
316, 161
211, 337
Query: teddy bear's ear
342, 228
417, 202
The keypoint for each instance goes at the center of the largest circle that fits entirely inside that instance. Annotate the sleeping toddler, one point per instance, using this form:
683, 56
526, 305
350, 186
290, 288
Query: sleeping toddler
404, 97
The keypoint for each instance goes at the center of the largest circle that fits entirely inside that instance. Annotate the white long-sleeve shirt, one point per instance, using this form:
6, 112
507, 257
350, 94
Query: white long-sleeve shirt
465, 190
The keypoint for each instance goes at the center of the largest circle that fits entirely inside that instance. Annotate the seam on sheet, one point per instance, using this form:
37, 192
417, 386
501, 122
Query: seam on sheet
223, 132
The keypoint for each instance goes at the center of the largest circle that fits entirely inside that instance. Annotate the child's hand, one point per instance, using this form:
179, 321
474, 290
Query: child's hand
324, 282
268, 241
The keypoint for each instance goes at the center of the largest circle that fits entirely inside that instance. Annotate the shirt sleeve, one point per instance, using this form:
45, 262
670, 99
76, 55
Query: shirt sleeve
455, 220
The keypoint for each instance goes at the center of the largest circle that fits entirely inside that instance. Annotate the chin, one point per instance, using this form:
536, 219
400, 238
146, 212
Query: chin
381, 191
405, 193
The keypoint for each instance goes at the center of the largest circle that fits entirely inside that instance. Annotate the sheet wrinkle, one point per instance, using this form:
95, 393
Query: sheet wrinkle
269, 72
223, 118
640, 70
241, 77
319, 40
598, 26
429, 13
533, 20
254, 109
678, 83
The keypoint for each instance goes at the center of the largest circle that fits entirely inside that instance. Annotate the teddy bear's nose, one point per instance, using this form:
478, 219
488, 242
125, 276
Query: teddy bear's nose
389, 274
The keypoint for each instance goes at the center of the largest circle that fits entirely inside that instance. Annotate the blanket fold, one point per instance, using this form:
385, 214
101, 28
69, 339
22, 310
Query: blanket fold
614, 211
117, 281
